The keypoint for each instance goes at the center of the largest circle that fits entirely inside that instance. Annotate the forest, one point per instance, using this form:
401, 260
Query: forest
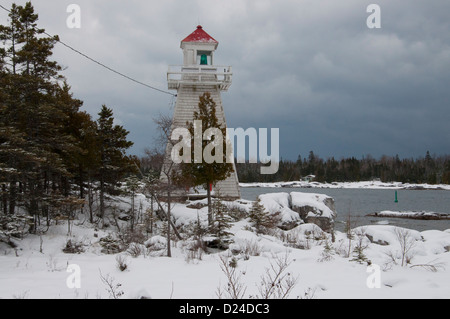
428, 169
51, 153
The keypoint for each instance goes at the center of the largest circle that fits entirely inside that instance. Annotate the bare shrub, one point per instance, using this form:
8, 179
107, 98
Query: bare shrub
195, 250
309, 294
432, 266
360, 246
392, 260
277, 282
112, 287
128, 236
407, 243
192, 255
234, 289
22, 295
303, 239
135, 250
156, 245
121, 262
248, 248
73, 247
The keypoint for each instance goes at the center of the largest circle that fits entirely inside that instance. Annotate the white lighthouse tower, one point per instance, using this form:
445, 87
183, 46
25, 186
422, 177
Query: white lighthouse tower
196, 76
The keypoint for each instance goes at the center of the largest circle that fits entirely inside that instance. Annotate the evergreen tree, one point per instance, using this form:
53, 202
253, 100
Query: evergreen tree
221, 224
114, 163
30, 127
9, 35
132, 185
260, 219
46, 143
204, 173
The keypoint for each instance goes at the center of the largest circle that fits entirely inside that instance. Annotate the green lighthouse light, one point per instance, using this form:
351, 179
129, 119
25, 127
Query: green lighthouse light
203, 59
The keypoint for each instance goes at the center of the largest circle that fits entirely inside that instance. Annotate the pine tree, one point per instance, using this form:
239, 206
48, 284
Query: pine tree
30, 118
204, 173
114, 163
132, 185
36, 49
42, 131
9, 35
260, 219
221, 224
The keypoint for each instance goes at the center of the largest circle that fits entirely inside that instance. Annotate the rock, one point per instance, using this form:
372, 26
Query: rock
124, 217
14, 226
197, 205
288, 225
217, 243
378, 242
110, 245
297, 208
325, 223
279, 203
313, 208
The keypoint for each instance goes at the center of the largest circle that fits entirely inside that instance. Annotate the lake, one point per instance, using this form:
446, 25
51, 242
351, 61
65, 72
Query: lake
359, 202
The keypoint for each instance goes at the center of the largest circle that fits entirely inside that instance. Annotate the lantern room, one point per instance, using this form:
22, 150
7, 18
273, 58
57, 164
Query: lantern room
198, 48
198, 64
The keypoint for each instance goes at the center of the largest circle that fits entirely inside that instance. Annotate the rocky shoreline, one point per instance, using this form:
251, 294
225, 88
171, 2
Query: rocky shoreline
362, 184
411, 215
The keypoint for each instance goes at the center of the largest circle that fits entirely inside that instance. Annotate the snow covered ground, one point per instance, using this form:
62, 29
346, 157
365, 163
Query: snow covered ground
38, 268
364, 184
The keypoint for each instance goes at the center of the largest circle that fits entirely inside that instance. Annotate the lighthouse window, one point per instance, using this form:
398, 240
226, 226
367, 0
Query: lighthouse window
203, 58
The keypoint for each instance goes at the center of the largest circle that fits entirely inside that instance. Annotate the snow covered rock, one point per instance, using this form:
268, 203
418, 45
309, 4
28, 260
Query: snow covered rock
156, 242
297, 208
318, 209
385, 235
111, 245
280, 203
14, 226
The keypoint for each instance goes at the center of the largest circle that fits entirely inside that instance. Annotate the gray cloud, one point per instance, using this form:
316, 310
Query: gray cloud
311, 68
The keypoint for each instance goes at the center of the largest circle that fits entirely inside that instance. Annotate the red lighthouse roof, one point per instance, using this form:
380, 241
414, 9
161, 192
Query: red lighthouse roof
199, 35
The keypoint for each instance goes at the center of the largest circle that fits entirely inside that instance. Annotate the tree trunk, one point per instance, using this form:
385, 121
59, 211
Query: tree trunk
102, 197
90, 201
80, 181
151, 215
12, 196
169, 253
208, 194
4, 200
173, 226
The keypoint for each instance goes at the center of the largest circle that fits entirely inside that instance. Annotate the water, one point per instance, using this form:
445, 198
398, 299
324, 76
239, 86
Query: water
359, 202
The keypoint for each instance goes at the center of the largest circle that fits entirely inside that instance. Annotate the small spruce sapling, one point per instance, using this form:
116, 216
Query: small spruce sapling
260, 219
222, 223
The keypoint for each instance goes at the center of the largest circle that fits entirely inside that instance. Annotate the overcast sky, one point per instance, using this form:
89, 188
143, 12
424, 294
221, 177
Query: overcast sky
311, 68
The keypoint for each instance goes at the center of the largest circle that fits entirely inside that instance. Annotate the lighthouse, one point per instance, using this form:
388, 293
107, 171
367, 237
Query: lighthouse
198, 75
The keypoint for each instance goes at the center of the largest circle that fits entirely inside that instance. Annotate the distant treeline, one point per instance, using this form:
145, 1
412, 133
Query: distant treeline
428, 169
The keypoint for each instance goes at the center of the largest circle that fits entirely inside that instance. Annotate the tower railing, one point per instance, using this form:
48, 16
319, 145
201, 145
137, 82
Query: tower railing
199, 75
